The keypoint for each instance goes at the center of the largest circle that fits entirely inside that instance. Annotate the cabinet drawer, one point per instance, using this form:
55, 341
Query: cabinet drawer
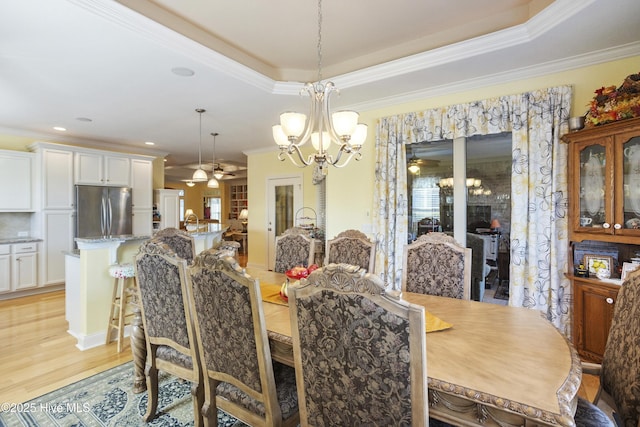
21, 248
5, 249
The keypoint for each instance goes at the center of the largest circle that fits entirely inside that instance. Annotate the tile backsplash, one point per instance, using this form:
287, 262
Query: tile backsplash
12, 223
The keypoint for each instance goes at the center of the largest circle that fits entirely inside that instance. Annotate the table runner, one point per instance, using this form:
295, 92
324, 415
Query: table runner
271, 293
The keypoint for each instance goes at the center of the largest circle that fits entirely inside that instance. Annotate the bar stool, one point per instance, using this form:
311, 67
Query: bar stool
123, 288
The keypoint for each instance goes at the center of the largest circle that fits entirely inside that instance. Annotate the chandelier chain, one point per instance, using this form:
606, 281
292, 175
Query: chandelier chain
319, 41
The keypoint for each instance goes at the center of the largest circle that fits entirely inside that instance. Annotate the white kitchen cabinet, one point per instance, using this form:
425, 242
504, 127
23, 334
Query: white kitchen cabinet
16, 176
57, 236
96, 168
56, 182
142, 224
142, 183
168, 206
18, 266
5, 268
24, 268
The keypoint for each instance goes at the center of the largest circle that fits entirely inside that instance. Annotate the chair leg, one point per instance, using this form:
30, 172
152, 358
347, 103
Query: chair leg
152, 393
197, 393
209, 408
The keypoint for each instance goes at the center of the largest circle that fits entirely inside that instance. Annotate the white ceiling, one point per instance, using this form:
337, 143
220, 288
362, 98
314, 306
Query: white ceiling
61, 60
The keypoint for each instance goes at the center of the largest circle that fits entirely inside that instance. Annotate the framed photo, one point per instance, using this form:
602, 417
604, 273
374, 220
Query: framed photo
596, 262
628, 267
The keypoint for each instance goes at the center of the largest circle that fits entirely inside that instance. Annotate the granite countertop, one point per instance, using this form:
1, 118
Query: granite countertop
102, 239
9, 240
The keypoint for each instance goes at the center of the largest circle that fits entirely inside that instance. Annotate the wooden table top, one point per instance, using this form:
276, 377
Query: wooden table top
507, 357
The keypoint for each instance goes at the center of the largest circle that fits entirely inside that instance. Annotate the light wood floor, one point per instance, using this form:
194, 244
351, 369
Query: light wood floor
40, 356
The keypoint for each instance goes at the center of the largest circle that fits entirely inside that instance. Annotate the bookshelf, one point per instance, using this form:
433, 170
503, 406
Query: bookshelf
238, 200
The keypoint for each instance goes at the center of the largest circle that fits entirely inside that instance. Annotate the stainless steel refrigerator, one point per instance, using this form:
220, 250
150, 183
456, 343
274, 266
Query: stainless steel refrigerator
102, 211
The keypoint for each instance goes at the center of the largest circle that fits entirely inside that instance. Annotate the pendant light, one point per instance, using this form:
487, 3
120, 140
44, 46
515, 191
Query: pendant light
213, 182
200, 175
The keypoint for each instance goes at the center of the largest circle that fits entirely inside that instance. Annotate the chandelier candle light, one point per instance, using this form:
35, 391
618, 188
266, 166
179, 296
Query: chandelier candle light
322, 128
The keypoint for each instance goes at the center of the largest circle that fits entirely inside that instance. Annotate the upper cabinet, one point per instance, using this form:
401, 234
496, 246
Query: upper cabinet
604, 182
93, 168
16, 176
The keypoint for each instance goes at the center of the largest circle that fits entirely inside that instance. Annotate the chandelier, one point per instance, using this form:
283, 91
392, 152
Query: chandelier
321, 128
200, 175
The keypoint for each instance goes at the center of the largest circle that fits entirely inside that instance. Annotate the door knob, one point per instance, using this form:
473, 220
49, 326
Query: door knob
609, 300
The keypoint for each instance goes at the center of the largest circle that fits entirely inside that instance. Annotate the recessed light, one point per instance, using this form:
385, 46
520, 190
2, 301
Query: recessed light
60, 128
183, 71
150, 143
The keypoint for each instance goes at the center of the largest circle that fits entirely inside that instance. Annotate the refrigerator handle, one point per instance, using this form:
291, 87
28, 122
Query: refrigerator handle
109, 216
103, 217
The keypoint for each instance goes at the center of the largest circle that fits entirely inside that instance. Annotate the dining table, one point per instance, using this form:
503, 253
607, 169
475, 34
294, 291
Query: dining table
487, 364
490, 365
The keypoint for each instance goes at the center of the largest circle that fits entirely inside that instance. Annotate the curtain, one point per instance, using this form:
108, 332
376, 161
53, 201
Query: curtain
539, 238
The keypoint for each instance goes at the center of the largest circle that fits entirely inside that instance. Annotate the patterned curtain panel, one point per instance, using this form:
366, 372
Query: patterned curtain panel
539, 245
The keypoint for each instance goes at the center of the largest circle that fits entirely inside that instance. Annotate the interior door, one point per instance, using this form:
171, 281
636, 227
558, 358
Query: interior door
284, 199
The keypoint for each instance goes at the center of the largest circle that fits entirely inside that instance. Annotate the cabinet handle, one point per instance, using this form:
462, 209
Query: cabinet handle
606, 225
609, 300
617, 226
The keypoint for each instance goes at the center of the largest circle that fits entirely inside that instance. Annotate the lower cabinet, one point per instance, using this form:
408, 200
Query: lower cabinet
594, 301
57, 233
18, 266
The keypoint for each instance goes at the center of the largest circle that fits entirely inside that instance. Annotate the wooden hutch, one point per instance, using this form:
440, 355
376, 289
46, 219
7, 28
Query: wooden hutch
604, 206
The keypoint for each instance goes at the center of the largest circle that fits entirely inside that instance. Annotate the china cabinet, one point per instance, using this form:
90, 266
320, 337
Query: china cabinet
604, 206
604, 182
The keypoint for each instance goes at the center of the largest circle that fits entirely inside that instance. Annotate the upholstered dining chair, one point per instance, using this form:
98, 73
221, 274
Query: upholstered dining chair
170, 339
619, 392
240, 377
180, 241
352, 247
436, 264
294, 248
360, 353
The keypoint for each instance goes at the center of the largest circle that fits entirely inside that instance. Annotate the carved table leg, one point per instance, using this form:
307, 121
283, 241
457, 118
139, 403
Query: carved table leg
139, 351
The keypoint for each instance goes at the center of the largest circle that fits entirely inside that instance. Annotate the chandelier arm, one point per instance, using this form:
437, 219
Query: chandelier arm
309, 90
293, 148
326, 112
351, 155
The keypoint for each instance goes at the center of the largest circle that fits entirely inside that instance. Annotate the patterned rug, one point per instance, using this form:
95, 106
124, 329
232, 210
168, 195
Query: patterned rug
107, 399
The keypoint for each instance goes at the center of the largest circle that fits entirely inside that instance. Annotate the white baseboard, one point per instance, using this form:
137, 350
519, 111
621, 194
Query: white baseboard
85, 342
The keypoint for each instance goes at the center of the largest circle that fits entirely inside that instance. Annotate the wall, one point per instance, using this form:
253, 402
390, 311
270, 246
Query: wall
13, 222
350, 190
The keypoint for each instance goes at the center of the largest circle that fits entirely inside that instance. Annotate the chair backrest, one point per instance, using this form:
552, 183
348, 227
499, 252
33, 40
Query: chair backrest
352, 247
181, 242
232, 340
620, 376
435, 264
162, 278
478, 262
294, 248
231, 246
360, 354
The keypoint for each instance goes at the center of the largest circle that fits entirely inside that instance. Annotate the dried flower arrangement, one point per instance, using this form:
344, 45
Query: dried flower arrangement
611, 104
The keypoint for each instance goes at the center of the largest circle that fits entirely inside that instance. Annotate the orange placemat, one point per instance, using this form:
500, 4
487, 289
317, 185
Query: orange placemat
434, 323
271, 293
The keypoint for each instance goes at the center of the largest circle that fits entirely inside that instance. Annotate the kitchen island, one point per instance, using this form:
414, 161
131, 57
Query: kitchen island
89, 287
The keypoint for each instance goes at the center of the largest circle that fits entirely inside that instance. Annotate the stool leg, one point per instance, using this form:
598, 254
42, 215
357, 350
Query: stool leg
112, 311
124, 300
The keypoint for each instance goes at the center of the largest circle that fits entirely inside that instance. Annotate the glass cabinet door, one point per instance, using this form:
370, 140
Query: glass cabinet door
629, 218
593, 186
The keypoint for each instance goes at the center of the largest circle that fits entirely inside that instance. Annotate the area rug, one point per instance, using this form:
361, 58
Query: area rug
107, 399
502, 292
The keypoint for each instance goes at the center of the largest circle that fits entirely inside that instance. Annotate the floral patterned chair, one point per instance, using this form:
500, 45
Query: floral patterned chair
352, 247
619, 393
435, 264
170, 338
240, 377
294, 248
232, 247
180, 241
360, 353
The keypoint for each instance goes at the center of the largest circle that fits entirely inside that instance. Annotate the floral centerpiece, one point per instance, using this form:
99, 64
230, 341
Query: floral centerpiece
615, 103
296, 273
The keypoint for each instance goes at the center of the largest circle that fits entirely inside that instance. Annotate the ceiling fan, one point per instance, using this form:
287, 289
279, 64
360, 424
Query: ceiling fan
219, 172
